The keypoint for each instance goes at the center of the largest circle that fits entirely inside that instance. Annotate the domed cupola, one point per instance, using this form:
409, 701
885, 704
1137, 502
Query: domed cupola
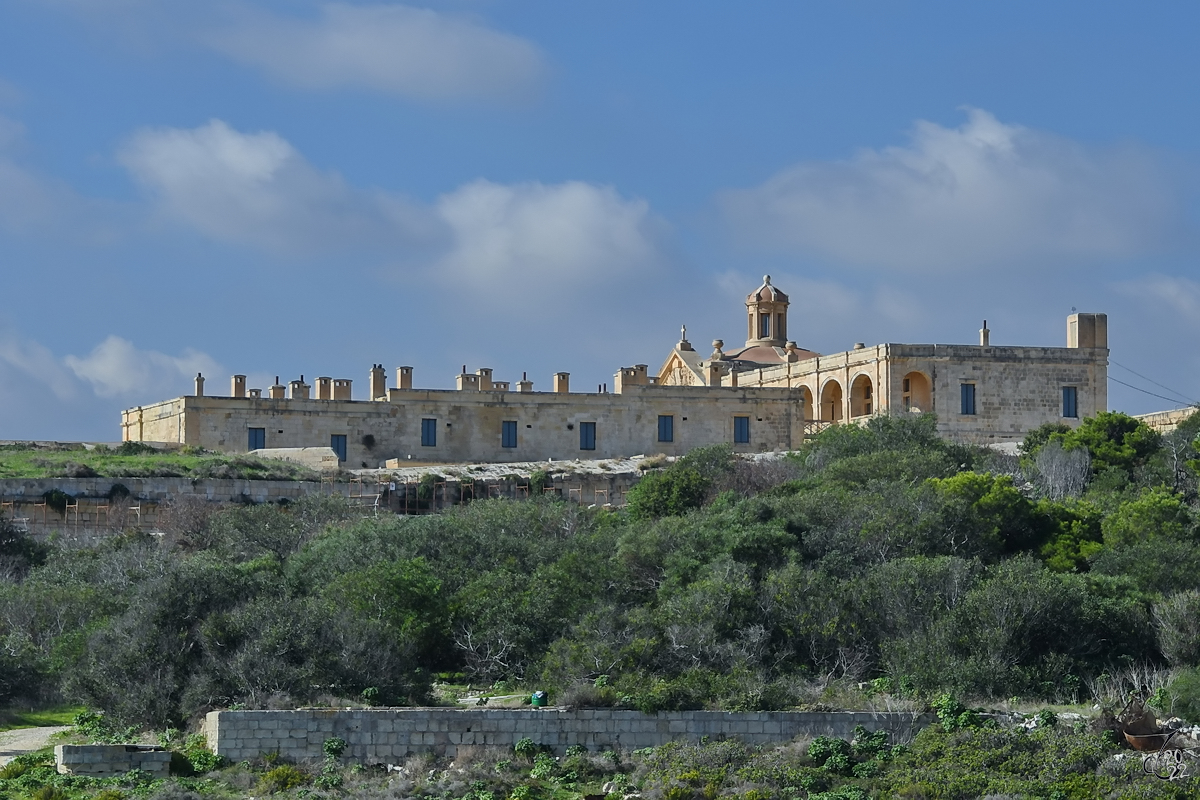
766, 316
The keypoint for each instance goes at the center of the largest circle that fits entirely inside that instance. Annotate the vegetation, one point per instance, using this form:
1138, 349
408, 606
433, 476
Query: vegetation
136, 460
880, 564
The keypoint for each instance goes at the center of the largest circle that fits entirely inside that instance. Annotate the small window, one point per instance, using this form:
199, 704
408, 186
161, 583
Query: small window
429, 433
587, 436
258, 438
508, 433
741, 430
337, 442
968, 398
666, 428
1070, 402
764, 326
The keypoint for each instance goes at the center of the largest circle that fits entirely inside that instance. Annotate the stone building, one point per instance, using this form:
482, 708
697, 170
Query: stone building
765, 396
981, 393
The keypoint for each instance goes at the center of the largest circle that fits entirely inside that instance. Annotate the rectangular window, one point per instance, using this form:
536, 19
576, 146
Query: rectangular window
508, 433
337, 442
587, 436
968, 398
429, 433
666, 428
741, 430
258, 438
764, 326
1070, 402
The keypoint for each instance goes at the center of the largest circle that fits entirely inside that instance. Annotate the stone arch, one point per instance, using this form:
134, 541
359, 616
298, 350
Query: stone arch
831, 401
862, 396
916, 393
806, 402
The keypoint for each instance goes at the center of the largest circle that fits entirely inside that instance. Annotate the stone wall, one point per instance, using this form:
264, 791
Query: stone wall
469, 423
1166, 421
378, 736
100, 760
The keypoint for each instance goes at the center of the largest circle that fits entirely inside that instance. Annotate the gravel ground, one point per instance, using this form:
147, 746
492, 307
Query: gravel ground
24, 740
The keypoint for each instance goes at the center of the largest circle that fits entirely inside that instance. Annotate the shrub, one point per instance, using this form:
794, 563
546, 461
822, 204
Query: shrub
669, 493
281, 779
1178, 622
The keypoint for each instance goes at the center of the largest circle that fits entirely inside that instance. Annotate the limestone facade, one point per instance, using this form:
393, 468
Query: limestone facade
764, 396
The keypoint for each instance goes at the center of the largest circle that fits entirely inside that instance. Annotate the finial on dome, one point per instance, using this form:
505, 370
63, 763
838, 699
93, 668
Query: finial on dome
766, 280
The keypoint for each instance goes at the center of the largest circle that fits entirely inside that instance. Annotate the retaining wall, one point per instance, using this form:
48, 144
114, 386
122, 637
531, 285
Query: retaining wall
111, 759
379, 736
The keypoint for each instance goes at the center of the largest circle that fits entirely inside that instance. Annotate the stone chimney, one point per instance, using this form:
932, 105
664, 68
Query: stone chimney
404, 377
199, 385
485, 378
341, 389
277, 391
1087, 330
524, 385
298, 390
237, 386
562, 382
985, 336
378, 382
254, 394
324, 388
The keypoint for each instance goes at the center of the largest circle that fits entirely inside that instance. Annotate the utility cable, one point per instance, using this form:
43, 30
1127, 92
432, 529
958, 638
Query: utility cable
1152, 394
1156, 383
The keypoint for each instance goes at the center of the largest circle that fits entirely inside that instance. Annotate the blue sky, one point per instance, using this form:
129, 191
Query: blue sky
296, 188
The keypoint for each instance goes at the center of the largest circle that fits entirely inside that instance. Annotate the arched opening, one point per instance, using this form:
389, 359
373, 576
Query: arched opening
806, 402
915, 393
862, 397
831, 402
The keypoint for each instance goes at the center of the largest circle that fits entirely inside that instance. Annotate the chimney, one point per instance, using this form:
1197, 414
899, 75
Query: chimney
237, 386
199, 385
254, 394
378, 382
524, 385
1087, 330
485, 378
277, 391
341, 389
499, 386
298, 390
466, 383
985, 335
324, 388
562, 382
404, 377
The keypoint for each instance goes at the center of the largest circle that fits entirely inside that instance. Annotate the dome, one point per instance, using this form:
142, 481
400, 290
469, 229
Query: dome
767, 293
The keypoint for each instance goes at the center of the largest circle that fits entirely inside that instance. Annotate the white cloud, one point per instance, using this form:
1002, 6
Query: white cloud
36, 362
985, 193
255, 188
115, 368
390, 48
521, 234
1181, 295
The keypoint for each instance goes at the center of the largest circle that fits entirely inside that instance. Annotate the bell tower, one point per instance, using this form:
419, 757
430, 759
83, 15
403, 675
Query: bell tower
766, 316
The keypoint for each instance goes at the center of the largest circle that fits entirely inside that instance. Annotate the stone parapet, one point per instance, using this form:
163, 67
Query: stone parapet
378, 736
99, 760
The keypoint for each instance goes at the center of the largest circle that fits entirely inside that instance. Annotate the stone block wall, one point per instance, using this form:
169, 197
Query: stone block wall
99, 760
378, 736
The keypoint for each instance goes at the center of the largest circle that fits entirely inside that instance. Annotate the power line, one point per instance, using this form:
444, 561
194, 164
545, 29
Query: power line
1156, 383
1152, 394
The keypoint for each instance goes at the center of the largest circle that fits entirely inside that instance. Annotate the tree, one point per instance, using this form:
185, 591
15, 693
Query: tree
1156, 514
1115, 440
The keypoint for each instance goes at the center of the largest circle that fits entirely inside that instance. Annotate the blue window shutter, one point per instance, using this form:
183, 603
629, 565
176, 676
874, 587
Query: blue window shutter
508, 433
741, 430
337, 442
257, 439
587, 436
429, 433
1070, 402
666, 428
968, 398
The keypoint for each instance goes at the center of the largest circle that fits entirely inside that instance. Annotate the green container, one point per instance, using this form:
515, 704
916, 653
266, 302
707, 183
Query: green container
538, 699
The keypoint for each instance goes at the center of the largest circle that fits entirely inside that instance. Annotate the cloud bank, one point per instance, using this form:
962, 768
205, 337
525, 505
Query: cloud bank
396, 49
115, 368
983, 194
256, 189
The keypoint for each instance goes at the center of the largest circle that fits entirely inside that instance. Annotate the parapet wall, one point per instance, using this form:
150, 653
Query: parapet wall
101, 760
379, 736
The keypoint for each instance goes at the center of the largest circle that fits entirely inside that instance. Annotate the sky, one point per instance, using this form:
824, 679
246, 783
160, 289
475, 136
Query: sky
303, 188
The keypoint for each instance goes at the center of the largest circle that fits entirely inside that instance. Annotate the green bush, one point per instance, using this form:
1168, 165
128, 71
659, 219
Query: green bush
281, 779
668, 493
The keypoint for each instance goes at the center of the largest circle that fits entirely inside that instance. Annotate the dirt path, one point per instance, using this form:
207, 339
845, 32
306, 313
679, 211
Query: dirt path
23, 740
